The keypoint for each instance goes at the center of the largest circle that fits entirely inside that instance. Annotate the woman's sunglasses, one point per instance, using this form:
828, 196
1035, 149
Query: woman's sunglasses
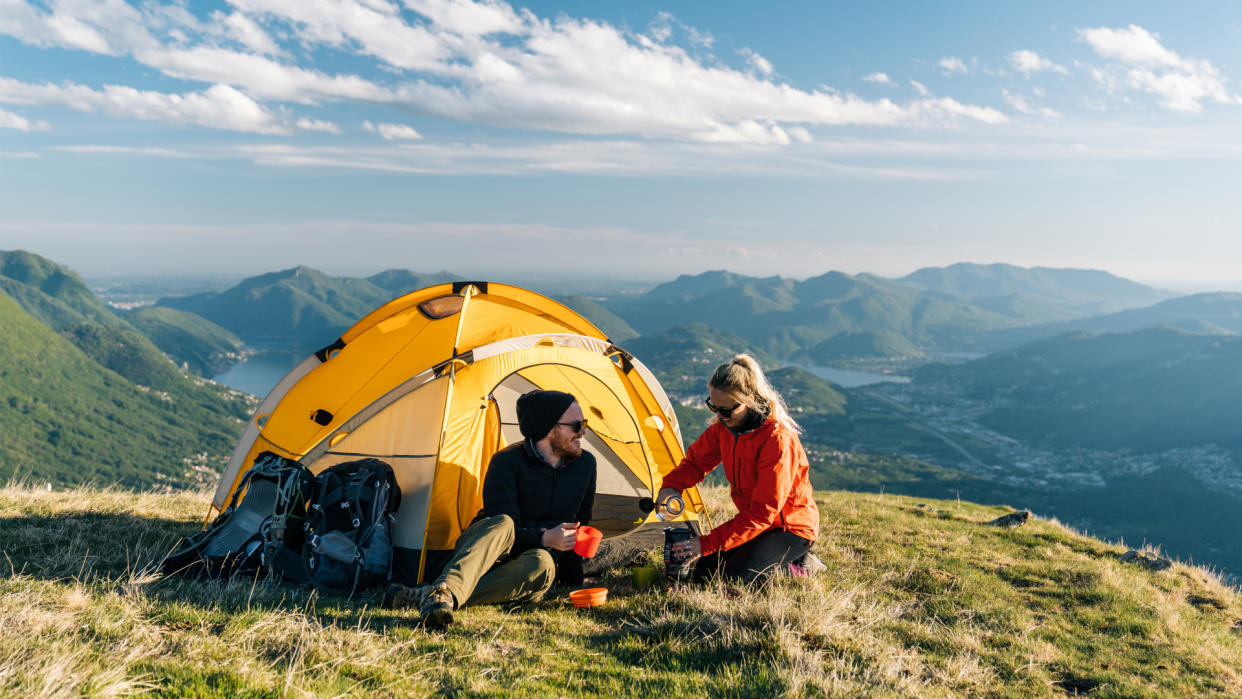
577, 425
722, 412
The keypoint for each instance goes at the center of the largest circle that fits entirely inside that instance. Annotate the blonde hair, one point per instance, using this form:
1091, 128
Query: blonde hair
743, 377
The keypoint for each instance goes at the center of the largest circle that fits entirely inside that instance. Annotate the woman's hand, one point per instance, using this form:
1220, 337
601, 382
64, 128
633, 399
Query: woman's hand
688, 550
561, 538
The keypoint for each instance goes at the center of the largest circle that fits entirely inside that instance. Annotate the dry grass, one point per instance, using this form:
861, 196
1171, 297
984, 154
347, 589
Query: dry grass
919, 600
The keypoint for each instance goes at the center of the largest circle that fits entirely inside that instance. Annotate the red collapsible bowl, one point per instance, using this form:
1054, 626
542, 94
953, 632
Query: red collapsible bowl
590, 597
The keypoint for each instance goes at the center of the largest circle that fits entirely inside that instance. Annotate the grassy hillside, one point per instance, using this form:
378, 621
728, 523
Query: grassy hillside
919, 600
68, 419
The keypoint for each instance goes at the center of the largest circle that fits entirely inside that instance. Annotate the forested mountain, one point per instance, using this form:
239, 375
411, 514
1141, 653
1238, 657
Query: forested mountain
1153, 389
57, 297
1218, 313
51, 293
299, 308
862, 345
204, 347
608, 322
785, 317
68, 419
1029, 293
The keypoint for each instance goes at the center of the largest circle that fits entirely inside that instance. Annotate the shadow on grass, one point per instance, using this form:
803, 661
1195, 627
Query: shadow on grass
122, 552
686, 650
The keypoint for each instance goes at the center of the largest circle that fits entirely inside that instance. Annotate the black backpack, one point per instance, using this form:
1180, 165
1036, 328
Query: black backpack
272, 495
347, 543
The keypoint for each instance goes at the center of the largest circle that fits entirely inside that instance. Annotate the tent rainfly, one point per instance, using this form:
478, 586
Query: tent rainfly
429, 382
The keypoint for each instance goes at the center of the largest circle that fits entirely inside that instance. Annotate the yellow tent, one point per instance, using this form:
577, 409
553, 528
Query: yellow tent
428, 383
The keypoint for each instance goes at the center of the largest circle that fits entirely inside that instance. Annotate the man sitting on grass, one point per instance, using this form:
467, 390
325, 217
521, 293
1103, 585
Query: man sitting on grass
535, 496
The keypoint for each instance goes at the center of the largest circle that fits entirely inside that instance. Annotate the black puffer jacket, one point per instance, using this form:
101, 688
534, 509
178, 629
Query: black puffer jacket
519, 483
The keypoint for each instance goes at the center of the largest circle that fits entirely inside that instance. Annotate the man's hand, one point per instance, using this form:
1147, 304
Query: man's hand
688, 550
561, 538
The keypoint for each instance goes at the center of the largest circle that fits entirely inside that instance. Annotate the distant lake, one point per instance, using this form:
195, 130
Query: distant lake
852, 379
264, 370
261, 372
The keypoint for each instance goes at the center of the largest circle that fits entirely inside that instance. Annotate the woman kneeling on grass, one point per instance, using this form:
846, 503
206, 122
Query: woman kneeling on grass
754, 438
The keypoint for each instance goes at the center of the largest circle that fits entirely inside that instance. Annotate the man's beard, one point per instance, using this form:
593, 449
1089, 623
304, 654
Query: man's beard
565, 450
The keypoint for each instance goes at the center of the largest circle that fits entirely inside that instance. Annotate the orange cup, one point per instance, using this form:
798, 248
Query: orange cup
587, 542
589, 597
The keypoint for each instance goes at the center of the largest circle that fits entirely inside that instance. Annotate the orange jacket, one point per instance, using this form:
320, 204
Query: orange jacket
768, 475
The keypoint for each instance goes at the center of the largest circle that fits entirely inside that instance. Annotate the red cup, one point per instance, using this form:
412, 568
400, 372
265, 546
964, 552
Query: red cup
588, 541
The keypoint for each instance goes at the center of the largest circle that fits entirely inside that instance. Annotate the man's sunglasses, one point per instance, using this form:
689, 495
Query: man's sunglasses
577, 425
722, 412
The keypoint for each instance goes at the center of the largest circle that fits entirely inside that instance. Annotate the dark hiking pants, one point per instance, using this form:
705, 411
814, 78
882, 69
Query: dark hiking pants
755, 560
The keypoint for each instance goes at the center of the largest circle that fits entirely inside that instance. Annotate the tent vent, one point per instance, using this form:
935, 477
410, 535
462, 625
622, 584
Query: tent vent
458, 287
330, 351
321, 416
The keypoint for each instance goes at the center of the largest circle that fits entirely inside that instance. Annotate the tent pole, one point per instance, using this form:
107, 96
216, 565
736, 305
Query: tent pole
467, 293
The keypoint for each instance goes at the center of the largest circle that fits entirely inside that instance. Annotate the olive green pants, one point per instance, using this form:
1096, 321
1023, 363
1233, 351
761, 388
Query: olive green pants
473, 575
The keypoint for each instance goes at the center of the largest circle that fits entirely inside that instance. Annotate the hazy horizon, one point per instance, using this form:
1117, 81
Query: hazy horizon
618, 282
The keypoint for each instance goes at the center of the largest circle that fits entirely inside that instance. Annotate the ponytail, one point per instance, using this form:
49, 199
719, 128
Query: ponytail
743, 377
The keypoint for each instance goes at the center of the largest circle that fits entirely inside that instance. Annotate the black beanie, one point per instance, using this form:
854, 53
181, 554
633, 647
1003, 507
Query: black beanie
539, 411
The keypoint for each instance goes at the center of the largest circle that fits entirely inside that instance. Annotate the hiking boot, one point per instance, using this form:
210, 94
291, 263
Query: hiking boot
437, 608
812, 565
398, 596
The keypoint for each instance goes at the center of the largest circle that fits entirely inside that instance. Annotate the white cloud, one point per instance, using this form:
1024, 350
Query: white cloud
98, 26
261, 77
392, 132
920, 88
881, 78
219, 106
482, 63
369, 28
122, 150
246, 32
757, 63
1144, 64
1019, 103
585, 157
946, 109
1133, 45
469, 18
953, 64
305, 124
9, 120
661, 28
1028, 62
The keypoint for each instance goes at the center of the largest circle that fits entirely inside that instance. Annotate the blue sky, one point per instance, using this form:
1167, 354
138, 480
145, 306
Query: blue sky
623, 139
